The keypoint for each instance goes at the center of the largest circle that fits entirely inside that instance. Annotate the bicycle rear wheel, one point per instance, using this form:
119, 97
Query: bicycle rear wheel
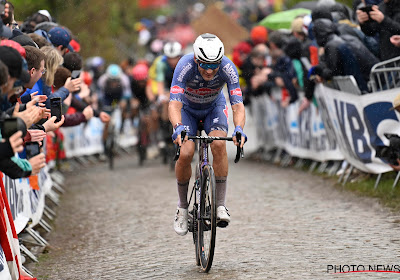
110, 142
208, 218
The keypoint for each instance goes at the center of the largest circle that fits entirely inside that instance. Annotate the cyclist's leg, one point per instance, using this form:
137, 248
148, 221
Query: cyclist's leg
183, 172
216, 124
183, 169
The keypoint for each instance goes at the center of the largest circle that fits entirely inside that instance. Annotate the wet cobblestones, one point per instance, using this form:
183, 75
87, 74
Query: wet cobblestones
286, 224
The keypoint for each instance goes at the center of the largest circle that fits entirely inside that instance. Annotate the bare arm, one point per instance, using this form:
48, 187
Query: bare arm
239, 118
239, 115
175, 116
174, 112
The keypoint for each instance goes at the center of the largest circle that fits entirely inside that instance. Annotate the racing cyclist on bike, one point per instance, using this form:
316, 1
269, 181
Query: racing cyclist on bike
114, 90
196, 94
164, 72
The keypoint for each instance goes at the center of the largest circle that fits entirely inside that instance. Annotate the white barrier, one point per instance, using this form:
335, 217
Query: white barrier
358, 124
86, 139
303, 135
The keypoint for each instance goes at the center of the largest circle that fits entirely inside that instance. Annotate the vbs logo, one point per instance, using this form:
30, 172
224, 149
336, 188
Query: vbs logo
236, 91
177, 90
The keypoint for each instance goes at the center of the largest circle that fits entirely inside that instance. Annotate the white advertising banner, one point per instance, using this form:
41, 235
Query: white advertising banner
358, 123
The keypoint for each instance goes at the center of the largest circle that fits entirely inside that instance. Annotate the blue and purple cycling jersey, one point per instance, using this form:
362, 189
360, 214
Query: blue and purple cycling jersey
204, 100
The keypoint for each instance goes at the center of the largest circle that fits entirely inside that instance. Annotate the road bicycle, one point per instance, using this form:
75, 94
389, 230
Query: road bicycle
112, 134
203, 214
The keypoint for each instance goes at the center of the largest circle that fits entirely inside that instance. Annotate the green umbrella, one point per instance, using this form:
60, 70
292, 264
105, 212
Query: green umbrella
282, 20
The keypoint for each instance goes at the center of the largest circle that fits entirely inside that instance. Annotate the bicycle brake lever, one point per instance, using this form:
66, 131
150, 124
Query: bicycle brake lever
239, 151
178, 150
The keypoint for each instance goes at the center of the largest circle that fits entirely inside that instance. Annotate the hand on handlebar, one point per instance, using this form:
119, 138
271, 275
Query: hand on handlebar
243, 138
176, 137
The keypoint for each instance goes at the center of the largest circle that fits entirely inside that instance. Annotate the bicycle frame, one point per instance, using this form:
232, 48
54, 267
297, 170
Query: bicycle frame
201, 219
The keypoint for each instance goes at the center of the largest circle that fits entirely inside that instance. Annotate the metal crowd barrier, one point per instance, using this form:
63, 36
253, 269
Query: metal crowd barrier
385, 75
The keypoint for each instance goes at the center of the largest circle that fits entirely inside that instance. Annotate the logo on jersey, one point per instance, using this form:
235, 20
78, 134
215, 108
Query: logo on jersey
183, 72
236, 91
203, 91
231, 73
226, 111
177, 90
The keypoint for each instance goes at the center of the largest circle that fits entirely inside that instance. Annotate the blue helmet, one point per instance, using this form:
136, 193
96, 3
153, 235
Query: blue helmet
113, 70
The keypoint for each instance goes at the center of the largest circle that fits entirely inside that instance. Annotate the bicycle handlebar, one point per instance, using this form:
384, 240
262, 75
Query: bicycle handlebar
239, 151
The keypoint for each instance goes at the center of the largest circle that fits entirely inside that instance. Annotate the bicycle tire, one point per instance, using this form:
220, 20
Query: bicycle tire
195, 232
207, 222
110, 142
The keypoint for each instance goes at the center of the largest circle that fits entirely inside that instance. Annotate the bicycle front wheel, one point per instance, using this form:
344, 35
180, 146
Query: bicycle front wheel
208, 218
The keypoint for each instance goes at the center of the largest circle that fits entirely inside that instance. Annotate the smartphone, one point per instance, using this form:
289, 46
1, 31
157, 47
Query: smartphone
75, 74
55, 107
366, 9
10, 126
32, 149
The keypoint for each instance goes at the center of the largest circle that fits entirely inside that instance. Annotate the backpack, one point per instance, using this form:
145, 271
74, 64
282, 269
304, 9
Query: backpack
113, 88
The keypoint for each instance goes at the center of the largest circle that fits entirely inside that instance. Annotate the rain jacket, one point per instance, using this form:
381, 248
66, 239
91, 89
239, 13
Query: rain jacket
388, 27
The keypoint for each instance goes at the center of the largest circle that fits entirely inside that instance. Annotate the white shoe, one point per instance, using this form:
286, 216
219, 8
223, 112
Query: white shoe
223, 217
181, 221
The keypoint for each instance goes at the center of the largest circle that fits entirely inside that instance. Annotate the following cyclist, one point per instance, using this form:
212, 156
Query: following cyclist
196, 94
114, 90
143, 99
164, 71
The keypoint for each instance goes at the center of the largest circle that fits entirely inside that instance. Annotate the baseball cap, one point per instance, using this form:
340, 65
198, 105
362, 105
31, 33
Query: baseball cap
14, 61
60, 37
396, 102
5, 31
14, 45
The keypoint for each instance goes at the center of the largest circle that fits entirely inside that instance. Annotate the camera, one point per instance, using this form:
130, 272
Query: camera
392, 152
12, 125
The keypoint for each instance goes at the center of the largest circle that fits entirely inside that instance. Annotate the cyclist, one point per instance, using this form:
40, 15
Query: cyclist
164, 72
143, 100
115, 89
196, 94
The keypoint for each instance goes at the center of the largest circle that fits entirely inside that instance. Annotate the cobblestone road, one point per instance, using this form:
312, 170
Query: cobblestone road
286, 224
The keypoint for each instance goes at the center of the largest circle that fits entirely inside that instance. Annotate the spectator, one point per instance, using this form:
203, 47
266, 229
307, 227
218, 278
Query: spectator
35, 59
3, 76
342, 58
43, 86
384, 19
13, 60
395, 40
256, 73
60, 39
73, 61
283, 71
25, 40
5, 32
40, 41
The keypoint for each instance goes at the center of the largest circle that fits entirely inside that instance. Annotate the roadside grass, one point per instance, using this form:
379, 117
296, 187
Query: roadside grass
363, 184
384, 192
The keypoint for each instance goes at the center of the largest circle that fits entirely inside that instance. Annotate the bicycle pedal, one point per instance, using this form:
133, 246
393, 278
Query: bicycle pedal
222, 224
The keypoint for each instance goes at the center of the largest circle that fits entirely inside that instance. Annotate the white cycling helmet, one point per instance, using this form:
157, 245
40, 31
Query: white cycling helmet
172, 49
208, 48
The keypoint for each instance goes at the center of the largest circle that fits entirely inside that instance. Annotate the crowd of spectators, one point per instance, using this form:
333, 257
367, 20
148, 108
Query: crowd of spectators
37, 60
330, 42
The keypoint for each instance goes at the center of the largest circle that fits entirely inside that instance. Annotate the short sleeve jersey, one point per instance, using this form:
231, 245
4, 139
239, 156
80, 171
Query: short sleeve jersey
189, 87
